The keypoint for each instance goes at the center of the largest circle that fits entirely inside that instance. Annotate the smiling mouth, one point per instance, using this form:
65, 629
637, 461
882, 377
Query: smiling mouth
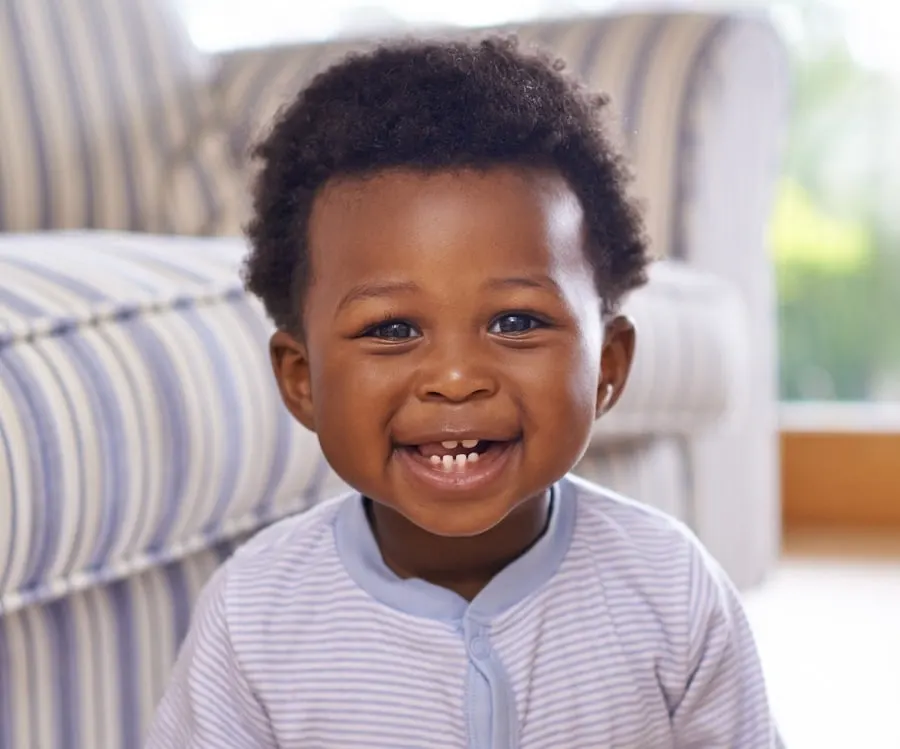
457, 464
454, 454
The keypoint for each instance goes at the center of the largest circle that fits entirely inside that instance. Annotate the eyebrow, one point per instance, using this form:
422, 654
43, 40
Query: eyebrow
376, 289
528, 282
380, 289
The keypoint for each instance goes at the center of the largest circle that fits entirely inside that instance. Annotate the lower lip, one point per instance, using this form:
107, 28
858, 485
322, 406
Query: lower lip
472, 476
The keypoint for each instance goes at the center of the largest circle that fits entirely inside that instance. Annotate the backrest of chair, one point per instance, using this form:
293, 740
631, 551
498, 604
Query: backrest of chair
105, 121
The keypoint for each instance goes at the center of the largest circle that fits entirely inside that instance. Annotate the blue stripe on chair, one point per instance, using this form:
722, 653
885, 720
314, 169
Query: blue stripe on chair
25, 69
76, 105
181, 602
13, 520
76, 533
64, 649
638, 79
7, 730
589, 54
128, 673
92, 602
85, 291
136, 392
34, 692
284, 426
43, 443
684, 152
18, 304
170, 398
109, 430
229, 406
103, 38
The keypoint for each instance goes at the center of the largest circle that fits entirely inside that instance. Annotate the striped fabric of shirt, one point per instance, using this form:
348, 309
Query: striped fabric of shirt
615, 630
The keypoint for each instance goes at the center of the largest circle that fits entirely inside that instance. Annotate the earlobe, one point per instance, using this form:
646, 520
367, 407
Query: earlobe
607, 391
615, 363
290, 364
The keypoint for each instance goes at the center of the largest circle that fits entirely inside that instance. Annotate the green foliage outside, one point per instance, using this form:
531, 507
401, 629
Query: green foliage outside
834, 232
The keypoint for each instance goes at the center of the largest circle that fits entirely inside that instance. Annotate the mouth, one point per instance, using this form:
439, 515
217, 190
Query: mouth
457, 464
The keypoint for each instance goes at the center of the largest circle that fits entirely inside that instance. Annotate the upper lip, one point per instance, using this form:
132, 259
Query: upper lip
457, 435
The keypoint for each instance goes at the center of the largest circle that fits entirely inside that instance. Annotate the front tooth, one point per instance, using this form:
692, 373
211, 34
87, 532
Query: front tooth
460, 460
447, 460
473, 457
436, 459
450, 444
469, 444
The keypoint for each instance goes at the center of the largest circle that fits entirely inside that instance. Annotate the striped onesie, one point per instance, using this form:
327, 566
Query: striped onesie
614, 630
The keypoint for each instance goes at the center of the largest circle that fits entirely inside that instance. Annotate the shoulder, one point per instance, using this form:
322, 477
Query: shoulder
292, 537
638, 533
659, 583
282, 561
647, 551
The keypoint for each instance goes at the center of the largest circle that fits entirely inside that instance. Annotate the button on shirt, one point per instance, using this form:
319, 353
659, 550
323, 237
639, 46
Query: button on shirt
614, 630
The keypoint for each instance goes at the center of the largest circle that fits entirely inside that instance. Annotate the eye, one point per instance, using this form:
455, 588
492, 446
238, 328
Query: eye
514, 324
393, 330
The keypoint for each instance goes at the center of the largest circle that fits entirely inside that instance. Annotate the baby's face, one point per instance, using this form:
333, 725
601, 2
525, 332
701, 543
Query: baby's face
451, 365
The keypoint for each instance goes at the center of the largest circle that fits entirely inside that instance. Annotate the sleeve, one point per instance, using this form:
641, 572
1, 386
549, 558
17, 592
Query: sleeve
724, 704
209, 704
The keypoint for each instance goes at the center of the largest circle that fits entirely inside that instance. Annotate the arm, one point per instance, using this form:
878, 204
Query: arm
724, 703
209, 703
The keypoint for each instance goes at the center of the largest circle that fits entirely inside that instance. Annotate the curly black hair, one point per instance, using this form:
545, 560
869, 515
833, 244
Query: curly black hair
434, 105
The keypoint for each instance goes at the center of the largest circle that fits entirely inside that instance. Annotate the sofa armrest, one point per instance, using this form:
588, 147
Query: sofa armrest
139, 419
690, 367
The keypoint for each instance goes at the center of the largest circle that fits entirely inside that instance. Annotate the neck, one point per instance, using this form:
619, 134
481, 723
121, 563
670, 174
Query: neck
463, 565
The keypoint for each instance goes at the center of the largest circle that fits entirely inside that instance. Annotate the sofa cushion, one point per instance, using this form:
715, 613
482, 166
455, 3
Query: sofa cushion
106, 122
139, 420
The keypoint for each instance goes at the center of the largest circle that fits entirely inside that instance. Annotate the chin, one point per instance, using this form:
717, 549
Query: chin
448, 522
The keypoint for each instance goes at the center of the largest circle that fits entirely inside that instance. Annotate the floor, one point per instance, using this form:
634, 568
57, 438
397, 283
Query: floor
828, 629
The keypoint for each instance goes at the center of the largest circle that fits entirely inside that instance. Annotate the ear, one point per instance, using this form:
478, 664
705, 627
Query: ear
615, 362
290, 362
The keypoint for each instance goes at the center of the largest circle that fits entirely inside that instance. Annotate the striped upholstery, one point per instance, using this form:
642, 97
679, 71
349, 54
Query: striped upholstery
86, 671
138, 417
650, 64
690, 366
104, 122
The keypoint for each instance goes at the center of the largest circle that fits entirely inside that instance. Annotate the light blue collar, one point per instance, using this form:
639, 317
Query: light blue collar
362, 559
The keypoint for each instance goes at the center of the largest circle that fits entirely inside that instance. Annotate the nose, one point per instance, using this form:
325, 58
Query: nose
456, 375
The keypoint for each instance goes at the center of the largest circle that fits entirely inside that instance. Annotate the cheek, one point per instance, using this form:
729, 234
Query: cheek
581, 380
352, 396
564, 390
579, 412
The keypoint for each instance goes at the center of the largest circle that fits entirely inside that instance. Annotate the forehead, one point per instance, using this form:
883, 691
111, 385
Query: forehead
445, 227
